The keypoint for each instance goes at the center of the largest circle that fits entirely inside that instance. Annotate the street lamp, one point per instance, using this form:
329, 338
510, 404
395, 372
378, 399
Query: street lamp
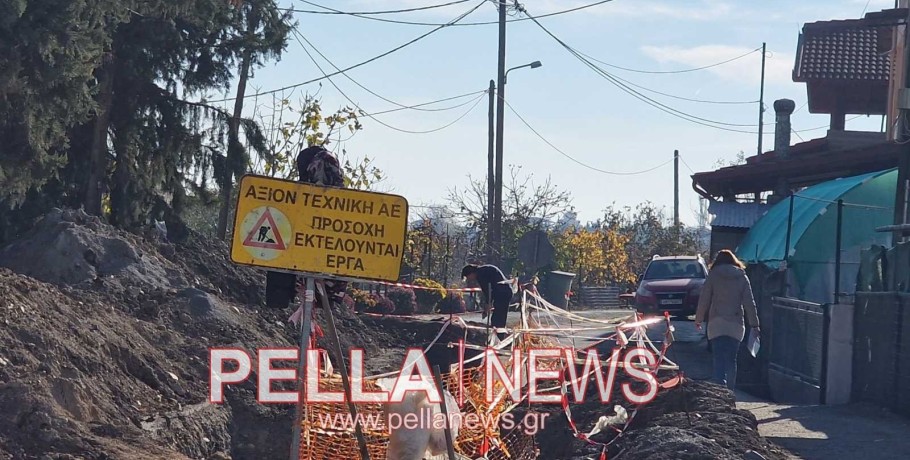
532, 65
495, 186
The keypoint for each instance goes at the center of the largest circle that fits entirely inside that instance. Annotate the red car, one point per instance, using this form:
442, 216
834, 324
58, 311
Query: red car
672, 284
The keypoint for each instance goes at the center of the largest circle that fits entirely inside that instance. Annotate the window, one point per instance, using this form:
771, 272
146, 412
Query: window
674, 269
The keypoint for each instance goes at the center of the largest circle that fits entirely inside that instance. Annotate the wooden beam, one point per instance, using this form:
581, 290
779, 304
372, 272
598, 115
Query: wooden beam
838, 121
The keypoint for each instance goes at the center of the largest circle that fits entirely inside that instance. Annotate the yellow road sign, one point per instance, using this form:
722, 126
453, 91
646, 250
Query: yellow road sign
286, 225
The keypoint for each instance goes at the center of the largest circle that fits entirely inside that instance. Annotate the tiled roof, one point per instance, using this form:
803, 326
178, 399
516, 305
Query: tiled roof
842, 50
736, 215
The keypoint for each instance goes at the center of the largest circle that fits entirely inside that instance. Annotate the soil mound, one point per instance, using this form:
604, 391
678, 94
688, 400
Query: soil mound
70, 247
104, 346
696, 420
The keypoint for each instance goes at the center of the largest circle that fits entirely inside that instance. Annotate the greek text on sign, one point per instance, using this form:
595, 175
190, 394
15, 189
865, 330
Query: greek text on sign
306, 228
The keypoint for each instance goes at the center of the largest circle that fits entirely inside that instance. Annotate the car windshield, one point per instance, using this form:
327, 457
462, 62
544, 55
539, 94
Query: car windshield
674, 269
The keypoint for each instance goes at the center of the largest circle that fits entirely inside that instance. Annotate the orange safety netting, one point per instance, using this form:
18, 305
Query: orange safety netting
325, 436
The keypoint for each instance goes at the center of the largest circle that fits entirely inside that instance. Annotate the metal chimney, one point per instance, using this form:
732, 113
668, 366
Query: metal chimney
783, 108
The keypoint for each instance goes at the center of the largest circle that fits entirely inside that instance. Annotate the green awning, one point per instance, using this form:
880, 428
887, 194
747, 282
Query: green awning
868, 204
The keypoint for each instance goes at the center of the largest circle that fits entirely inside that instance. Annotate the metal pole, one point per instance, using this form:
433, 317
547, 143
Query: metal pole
899, 336
761, 98
500, 114
450, 443
826, 337
489, 310
837, 256
445, 265
306, 297
676, 190
789, 230
336, 343
491, 175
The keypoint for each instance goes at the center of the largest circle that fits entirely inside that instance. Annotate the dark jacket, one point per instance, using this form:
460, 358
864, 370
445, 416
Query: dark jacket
490, 276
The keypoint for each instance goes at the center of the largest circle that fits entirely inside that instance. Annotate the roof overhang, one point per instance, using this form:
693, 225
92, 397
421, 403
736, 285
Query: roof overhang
809, 163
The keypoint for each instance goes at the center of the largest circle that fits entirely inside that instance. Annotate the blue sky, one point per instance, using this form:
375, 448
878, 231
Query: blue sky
574, 108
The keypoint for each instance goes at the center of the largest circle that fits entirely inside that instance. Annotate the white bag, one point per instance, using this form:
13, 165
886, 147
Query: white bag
754, 343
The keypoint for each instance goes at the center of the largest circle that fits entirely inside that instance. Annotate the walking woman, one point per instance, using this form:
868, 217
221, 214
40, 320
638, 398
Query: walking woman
725, 298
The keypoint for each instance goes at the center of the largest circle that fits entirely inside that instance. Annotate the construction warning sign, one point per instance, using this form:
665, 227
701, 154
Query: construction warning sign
306, 228
266, 229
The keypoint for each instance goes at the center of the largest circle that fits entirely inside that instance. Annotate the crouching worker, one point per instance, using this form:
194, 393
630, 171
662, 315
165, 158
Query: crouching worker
490, 280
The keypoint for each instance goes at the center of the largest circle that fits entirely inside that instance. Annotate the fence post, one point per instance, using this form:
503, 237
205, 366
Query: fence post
837, 255
789, 230
826, 334
897, 351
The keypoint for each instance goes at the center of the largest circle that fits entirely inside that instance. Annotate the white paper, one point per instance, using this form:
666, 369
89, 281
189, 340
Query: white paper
754, 343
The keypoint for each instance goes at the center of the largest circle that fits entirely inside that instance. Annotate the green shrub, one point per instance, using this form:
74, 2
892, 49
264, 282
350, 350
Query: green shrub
403, 299
428, 299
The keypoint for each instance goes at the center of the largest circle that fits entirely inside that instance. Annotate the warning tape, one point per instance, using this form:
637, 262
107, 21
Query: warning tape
640, 326
513, 283
411, 286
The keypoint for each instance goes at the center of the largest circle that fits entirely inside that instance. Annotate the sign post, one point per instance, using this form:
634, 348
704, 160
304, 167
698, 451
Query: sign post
308, 297
319, 232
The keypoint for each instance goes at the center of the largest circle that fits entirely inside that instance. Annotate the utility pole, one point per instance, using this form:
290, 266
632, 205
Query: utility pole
761, 98
902, 136
491, 176
500, 113
445, 266
676, 189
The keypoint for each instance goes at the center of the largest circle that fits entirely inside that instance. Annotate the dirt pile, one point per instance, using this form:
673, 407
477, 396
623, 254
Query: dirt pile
696, 420
104, 346
72, 248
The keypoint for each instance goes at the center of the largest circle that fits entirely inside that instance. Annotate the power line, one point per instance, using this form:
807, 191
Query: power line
367, 13
612, 173
460, 24
661, 72
441, 109
397, 48
687, 164
684, 98
660, 106
820, 127
418, 107
854, 205
452, 107
300, 36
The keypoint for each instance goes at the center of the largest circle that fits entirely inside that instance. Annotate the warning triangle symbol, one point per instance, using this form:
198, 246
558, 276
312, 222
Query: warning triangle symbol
265, 234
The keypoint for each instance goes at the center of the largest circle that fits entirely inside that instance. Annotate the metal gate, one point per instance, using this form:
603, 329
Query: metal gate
797, 339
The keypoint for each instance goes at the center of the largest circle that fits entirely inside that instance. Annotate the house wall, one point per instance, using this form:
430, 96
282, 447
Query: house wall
726, 238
